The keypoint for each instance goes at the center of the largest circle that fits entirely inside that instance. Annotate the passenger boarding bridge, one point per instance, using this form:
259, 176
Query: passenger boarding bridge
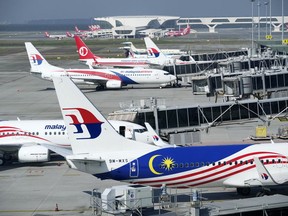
213, 22
181, 125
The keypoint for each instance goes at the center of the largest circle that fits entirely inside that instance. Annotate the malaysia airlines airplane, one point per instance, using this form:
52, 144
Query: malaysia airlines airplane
158, 58
22, 139
181, 32
59, 36
103, 78
134, 52
99, 150
154, 58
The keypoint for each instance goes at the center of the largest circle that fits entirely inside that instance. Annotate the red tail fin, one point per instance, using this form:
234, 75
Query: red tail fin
69, 34
47, 34
187, 30
83, 51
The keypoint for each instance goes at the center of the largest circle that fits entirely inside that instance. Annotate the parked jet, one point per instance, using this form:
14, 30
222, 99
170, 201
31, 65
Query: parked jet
181, 32
86, 56
158, 57
99, 150
58, 36
103, 78
155, 58
92, 28
19, 139
133, 52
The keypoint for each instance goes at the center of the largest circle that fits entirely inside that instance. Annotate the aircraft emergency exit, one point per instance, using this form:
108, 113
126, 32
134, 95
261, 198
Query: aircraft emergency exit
99, 150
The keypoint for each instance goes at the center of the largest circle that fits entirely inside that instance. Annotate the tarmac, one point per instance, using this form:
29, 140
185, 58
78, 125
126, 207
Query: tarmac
42, 189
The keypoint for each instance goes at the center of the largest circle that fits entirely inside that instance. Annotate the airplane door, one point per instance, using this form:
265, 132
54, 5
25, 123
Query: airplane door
157, 76
134, 168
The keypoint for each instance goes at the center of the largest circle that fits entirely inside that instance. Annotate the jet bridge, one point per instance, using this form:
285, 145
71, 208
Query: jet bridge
186, 121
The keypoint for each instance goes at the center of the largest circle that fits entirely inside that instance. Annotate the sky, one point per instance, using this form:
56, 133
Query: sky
22, 11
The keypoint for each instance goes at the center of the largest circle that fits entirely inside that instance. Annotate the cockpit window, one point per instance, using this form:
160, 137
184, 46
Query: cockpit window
140, 130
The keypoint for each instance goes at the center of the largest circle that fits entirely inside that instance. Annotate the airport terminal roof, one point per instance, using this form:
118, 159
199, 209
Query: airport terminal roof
138, 22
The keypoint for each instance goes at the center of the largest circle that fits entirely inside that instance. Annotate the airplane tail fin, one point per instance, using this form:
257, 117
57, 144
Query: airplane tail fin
76, 29
37, 62
85, 54
69, 34
88, 130
47, 34
152, 49
187, 30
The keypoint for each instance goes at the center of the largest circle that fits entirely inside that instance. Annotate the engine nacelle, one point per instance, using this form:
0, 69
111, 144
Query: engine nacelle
113, 84
33, 153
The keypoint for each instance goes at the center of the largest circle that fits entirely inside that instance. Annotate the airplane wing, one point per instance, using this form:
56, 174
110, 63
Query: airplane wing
266, 177
91, 80
263, 176
59, 150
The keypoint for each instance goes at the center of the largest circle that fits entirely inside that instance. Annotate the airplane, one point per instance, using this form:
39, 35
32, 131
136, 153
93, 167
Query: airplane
21, 139
87, 33
92, 28
181, 32
158, 58
86, 56
133, 52
103, 78
97, 149
155, 57
59, 36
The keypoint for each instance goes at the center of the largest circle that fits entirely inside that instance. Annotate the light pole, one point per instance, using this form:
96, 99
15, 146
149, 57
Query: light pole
252, 39
259, 4
270, 30
266, 7
282, 37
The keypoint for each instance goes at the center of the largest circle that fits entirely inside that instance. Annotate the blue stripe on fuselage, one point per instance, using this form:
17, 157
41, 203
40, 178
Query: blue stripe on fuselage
180, 155
125, 80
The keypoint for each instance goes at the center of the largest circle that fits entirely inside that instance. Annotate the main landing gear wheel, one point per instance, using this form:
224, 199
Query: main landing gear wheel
2, 161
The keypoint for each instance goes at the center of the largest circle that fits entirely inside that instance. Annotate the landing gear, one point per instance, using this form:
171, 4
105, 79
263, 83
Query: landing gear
264, 192
99, 88
245, 191
2, 161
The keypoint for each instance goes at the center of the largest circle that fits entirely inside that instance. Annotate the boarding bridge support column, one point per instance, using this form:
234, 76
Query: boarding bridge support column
195, 204
153, 102
212, 28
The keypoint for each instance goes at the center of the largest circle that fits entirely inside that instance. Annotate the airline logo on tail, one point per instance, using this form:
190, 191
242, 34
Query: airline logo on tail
36, 59
83, 51
156, 138
264, 176
153, 52
87, 125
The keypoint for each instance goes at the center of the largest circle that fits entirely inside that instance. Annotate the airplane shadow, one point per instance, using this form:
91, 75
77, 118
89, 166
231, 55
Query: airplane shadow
55, 160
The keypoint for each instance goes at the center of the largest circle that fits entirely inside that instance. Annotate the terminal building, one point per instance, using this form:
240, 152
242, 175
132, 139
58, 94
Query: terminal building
156, 26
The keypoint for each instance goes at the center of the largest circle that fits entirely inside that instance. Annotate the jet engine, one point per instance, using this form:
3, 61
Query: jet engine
33, 153
113, 84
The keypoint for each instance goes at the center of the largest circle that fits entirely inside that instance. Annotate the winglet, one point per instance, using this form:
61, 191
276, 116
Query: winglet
264, 176
156, 139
